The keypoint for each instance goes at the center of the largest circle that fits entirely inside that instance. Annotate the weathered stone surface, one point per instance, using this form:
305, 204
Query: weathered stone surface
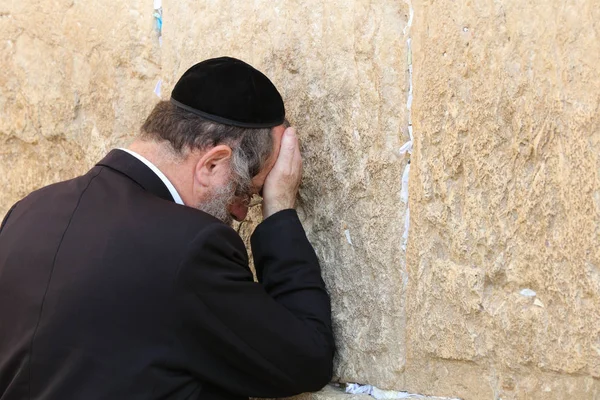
505, 196
505, 176
341, 68
76, 80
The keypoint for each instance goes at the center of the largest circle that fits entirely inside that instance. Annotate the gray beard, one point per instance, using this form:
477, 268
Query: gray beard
218, 202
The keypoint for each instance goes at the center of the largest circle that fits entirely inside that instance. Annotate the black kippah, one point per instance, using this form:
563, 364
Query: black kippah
230, 92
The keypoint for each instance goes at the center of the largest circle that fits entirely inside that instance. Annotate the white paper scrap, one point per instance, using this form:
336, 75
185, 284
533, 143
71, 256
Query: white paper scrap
528, 293
347, 233
355, 388
404, 190
538, 303
406, 226
157, 4
157, 88
406, 148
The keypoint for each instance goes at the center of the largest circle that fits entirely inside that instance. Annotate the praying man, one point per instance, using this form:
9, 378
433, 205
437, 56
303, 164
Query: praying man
128, 282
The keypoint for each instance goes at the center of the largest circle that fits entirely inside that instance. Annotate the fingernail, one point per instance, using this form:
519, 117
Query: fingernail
290, 131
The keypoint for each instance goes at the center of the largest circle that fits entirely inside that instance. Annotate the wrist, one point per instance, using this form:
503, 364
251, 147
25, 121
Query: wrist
277, 215
270, 209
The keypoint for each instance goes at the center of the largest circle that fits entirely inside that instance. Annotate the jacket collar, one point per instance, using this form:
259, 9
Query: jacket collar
135, 170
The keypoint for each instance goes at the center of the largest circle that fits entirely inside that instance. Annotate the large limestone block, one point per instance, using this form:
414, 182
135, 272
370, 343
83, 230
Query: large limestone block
341, 68
505, 196
76, 80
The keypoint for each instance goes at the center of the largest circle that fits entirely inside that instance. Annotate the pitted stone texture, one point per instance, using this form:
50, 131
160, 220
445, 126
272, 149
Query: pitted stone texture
76, 80
341, 68
505, 196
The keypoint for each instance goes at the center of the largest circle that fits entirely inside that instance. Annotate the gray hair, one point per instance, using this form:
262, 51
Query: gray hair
184, 130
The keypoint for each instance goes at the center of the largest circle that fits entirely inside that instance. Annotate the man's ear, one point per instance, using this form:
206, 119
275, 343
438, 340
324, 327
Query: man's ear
213, 168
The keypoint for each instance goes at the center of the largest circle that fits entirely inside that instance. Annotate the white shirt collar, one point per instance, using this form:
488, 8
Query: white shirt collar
158, 173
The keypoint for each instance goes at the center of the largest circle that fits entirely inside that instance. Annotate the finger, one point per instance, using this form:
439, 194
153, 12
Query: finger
297, 160
288, 147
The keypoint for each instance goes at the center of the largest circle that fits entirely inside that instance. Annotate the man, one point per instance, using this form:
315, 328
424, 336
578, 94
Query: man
125, 283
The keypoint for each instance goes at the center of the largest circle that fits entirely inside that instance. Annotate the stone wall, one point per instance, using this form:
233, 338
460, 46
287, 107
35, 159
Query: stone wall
76, 79
505, 196
504, 178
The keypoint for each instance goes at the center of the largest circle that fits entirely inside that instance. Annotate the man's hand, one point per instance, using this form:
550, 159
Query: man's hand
281, 185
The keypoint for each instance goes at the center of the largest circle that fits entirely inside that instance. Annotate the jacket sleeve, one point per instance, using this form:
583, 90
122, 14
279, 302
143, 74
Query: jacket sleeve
6, 217
267, 339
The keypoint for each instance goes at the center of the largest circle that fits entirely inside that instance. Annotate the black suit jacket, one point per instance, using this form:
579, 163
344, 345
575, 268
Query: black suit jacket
110, 290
